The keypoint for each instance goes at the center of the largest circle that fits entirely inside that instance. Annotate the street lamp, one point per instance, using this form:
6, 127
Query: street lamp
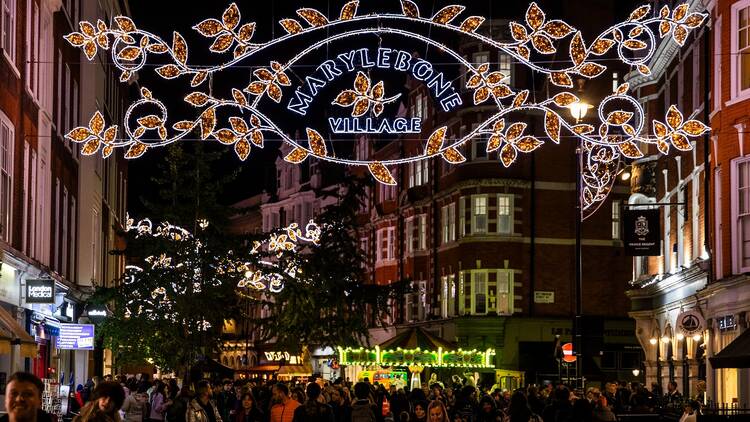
653, 341
636, 372
578, 110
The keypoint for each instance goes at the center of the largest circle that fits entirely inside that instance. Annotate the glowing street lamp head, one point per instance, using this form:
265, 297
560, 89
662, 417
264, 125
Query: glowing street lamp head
636, 372
653, 341
579, 109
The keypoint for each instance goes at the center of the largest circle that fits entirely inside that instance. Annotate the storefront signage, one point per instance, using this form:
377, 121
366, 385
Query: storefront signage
96, 313
544, 297
642, 232
285, 356
76, 337
40, 291
691, 322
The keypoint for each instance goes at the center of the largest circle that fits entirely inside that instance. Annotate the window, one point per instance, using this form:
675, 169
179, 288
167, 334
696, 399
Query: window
448, 218
505, 214
716, 92
422, 232
32, 47
410, 234
504, 66
385, 243
741, 217
481, 57
504, 292
73, 234
8, 34
462, 215
681, 225
419, 105
478, 145
7, 138
33, 214
479, 287
740, 48
419, 172
387, 192
58, 99
25, 199
64, 238
616, 220
479, 214
96, 228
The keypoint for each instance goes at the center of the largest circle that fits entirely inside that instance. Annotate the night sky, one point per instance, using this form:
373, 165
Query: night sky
161, 17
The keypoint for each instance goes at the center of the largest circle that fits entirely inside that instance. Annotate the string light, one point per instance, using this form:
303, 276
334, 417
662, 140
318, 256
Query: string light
619, 133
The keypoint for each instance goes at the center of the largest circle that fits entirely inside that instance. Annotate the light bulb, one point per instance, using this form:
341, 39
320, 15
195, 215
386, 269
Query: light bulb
697, 337
653, 340
665, 339
680, 337
625, 175
636, 372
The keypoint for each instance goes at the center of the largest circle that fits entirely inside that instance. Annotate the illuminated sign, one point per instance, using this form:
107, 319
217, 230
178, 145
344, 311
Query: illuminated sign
285, 356
76, 337
40, 291
380, 44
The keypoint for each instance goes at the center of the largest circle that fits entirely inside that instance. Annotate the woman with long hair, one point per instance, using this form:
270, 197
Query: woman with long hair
158, 402
437, 412
107, 398
519, 411
249, 410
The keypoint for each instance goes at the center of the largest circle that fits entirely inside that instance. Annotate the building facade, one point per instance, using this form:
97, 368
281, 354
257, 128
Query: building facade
46, 182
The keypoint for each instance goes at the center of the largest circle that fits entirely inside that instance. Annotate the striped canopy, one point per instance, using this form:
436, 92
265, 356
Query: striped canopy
416, 337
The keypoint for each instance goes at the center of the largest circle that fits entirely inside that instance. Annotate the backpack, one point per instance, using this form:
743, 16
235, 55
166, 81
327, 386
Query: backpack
362, 413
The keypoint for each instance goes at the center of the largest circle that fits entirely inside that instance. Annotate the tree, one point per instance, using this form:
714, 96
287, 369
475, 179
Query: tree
171, 307
328, 302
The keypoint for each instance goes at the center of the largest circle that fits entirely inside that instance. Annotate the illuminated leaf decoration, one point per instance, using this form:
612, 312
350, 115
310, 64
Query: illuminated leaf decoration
542, 44
518, 32
552, 126
674, 117
660, 129
381, 173
695, 20
619, 117
91, 147
246, 32
630, 150
169, 71
453, 156
680, 34
622, 89
557, 29
239, 97
136, 150
561, 79
313, 17
297, 156
680, 11
583, 129
209, 27
601, 46
564, 99
471, 23
528, 144
361, 83
644, 70
447, 14
591, 69
494, 142
640, 13
663, 146
125, 23
680, 142
107, 151
664, 28
481, 95
345, 98
316, 142
291, 26
409, 8
222, 43
231, 16
521, 98
534, 16
242, 149
577, 49
508, 155
225, 136
96, 124
76, 39
515, 131
360, 107
179, 47
349, 10
694, 128
110, 134
435, 142
208, 122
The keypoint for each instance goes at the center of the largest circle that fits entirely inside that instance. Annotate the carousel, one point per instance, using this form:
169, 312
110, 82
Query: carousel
411, 352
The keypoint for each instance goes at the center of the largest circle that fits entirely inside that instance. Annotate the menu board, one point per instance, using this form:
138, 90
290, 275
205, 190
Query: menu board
76, 337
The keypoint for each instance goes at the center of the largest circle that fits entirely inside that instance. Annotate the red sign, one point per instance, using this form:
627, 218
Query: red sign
568, 355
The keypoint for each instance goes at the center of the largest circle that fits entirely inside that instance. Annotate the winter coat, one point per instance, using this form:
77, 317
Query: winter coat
91, 413
157, 406
195, 412
134, 408
313, 411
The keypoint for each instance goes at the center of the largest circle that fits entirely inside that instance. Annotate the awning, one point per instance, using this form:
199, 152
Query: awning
261, 369
735, 355
295, 370
17, 332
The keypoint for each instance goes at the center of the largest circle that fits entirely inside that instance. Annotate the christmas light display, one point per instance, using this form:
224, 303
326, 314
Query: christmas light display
620, 130
417, 357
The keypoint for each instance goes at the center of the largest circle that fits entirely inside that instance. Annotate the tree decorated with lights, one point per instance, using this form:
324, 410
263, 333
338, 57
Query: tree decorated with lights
328, 301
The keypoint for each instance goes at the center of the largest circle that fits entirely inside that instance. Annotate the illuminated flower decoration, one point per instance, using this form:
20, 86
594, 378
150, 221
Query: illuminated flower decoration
94, 136
270, 81
676, 131
363, 96
486, 84
228, 31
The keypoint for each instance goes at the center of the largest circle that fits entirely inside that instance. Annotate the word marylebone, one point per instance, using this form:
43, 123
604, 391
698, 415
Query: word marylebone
385, 58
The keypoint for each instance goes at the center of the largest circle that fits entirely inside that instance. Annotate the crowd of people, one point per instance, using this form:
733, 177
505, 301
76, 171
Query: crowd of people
317, 400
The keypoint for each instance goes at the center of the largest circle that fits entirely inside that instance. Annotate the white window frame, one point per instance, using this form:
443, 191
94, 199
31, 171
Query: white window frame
505, 66
25, 198
681, 223
475, 291
409, 227
96, 230
65, 227
73, 238
504, 279
448, 222
475, 207
511, 213
7, 149
8, 35
422, 232
737, 266
33, 213
479, 146
716, 92
616, 220
737, 93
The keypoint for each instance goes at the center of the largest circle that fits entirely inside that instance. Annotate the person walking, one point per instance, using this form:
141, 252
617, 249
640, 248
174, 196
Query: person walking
283, 410
201, 408
157, 402
106, 401
313, 410
23, 399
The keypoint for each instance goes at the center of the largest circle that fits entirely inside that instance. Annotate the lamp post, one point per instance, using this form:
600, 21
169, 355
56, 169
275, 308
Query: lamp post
578, 110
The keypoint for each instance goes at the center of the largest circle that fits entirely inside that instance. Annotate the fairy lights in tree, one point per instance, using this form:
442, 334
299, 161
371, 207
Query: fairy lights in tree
619, 132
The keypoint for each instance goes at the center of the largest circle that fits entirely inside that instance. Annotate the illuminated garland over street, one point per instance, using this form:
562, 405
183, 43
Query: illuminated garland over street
417, 357
619, 132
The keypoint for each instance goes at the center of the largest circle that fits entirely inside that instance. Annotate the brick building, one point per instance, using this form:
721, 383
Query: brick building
48, 232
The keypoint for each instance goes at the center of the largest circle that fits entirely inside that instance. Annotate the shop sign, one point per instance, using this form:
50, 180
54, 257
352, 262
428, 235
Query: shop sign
691, 322
544, 297
642, 232
96, 313
76, 337
40, 291
285, 356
